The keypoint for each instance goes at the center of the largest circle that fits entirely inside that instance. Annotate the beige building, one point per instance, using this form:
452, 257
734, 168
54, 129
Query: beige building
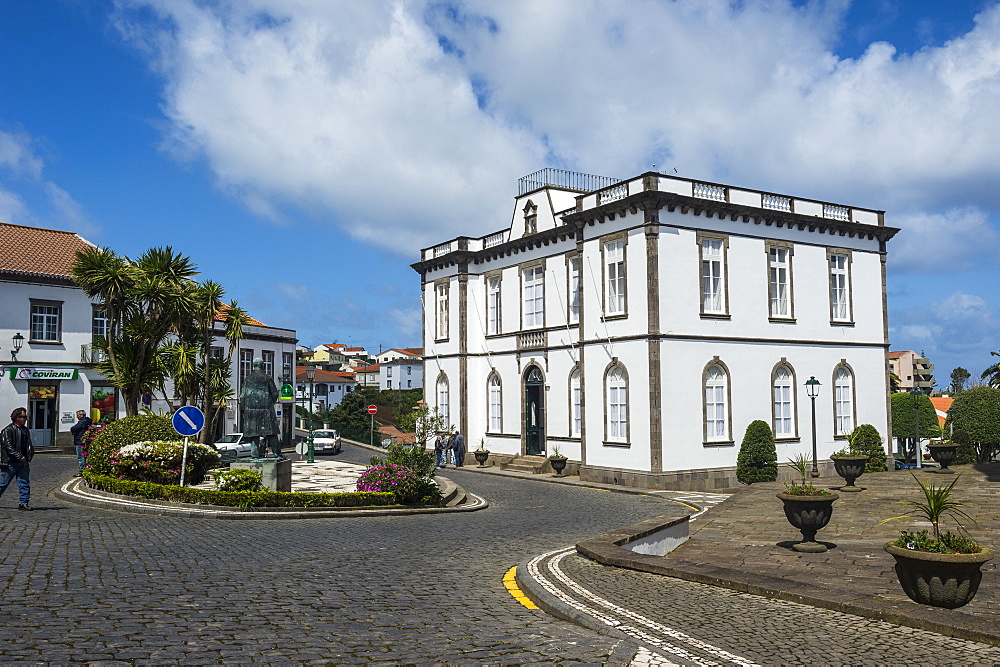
913, 370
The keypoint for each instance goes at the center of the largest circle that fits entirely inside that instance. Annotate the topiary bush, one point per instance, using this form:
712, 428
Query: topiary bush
160, 462
410, 489
238, 479
124, 432
758, 459
865, 440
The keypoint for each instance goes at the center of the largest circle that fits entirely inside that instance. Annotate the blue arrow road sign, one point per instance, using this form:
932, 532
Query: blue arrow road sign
188, 420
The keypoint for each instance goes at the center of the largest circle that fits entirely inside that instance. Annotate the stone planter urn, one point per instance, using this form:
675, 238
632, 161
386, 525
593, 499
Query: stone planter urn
850, 468
939, 580
558, 464
943, 455
481, 456
808, 514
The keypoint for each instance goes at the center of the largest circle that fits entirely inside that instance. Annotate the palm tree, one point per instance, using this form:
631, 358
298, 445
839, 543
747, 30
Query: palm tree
992, 374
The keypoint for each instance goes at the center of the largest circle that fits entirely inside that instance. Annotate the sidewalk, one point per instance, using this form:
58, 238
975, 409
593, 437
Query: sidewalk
744, 544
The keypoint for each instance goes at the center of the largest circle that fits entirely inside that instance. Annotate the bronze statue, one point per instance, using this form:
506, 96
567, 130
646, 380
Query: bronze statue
257, 419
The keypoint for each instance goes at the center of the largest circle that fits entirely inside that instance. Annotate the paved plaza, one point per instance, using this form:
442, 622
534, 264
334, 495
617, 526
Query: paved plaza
95, 585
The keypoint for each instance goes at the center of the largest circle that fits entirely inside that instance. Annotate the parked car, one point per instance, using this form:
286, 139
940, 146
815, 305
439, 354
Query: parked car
233, 443
326, 440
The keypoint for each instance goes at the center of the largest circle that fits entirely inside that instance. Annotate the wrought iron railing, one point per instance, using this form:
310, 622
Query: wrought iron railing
560, 178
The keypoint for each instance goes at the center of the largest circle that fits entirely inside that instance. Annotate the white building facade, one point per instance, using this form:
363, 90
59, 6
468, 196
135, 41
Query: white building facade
401, 373
639, 326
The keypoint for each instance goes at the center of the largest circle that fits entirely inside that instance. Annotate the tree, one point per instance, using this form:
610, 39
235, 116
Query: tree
975, 419
903, 420
758, 458
351, 411
145, 300
865, 440
958, 379
992, 374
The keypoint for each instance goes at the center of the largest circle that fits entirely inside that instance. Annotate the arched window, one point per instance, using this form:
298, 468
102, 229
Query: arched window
616, 383
716, 403
843, 401
783, 406
576, 405
495, 403
442, 399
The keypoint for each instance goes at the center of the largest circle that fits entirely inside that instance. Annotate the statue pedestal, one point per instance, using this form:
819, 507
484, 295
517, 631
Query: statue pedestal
277, 474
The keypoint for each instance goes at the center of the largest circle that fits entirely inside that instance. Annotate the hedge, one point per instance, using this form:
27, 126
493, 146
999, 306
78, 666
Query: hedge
241, 499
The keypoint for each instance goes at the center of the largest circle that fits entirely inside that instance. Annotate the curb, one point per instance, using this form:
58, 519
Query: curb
75, 491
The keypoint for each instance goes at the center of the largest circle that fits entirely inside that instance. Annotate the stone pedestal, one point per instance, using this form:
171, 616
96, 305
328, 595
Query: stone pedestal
277, 474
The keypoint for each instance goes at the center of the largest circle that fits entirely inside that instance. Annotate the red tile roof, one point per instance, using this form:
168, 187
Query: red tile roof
367, 369
223, 309
897, 355
38, 252
323, 376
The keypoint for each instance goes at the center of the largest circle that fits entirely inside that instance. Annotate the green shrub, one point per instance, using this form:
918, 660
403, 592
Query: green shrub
241, 499
239, 479
160, 462
409, 488
758, 459
412, 457
124, 432
865, 439
965, 454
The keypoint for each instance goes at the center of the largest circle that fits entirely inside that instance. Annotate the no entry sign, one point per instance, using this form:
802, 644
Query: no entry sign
372, 409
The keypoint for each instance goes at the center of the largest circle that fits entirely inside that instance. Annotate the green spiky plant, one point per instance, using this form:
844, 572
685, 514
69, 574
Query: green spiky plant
800, 462
937, 503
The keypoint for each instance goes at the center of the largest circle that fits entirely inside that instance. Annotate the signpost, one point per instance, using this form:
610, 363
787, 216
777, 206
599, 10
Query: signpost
187, 421
371, 436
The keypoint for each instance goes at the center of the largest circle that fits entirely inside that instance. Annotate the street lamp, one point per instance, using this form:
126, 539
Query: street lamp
916, 426
812, 390
17, 341
310, 451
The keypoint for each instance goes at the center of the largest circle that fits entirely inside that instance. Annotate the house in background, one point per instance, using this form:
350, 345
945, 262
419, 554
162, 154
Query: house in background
327, 391
401, 373
641, 325
393, 353
367, 376
913, 370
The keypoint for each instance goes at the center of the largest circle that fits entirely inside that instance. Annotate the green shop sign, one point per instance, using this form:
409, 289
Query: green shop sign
44, 373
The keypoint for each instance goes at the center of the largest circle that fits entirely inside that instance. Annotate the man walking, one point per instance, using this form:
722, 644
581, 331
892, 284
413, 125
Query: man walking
83, 422
16, 453
458, 449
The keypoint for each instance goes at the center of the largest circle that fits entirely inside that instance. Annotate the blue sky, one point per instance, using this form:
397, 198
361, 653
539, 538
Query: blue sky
302, 152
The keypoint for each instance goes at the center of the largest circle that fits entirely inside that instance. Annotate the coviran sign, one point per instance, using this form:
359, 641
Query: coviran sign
44, 373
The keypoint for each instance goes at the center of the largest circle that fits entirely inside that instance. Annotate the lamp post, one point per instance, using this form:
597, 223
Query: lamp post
310, 452
916, 427
812, 390
17, 341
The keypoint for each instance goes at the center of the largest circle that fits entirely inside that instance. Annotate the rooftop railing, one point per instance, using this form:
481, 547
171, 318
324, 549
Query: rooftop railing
560, 178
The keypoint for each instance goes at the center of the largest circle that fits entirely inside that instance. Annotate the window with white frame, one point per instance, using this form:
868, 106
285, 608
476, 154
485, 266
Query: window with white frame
441, 297
617, 402
716, 408
576, 400
840, 293
779, 279
534, 297
267, 356
575, 289
713, 281
246, 363
99, 323
495, 403
493, 305
843, 401
784, 403
388, 371
442, 400
46, 321
614, 277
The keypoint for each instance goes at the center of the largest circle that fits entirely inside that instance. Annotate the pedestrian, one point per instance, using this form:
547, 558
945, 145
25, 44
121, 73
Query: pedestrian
440, 449
457, 445
83, 422
16, 453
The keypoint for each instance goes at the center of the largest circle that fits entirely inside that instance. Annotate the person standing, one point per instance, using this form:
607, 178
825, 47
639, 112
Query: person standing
83, 422
458, 449
16, 453
440, 449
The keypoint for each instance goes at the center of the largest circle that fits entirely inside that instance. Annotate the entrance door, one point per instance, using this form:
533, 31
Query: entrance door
534, 412
42, 415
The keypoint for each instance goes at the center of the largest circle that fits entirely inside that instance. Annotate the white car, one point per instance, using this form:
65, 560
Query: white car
326, 441
233, 443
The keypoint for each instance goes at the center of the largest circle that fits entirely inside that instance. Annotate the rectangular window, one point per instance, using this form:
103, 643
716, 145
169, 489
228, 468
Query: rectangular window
493, 306
778, 282
495, 417
534, 295
575, 289
216, 352
246, 363
46, 321
713, 281
441, 292
409, 383
388, 384
268, 357
617, 404
388, 371
287, 365
409, 370
840, 297
782, 410
614, 278
99, 323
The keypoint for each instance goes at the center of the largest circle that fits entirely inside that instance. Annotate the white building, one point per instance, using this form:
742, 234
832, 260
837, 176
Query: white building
641, 325
327, 391
401, 373
394, 353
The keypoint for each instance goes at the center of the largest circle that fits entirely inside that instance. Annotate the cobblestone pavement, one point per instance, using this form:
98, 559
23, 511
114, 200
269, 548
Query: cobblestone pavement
86, 585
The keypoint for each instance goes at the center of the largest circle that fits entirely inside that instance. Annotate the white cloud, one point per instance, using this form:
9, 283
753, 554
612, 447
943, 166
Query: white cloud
408, 122
16, 154
12, 208
958, 239
958, 324
67, 212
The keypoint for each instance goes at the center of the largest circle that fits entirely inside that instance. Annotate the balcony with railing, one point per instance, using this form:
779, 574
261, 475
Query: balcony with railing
91, 355
776, 203
613, 193
442, 249
709, 191
834, 212
531, 340
560, 178
494, 239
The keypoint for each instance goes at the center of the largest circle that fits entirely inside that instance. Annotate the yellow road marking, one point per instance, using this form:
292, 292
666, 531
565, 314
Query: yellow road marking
510, 583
